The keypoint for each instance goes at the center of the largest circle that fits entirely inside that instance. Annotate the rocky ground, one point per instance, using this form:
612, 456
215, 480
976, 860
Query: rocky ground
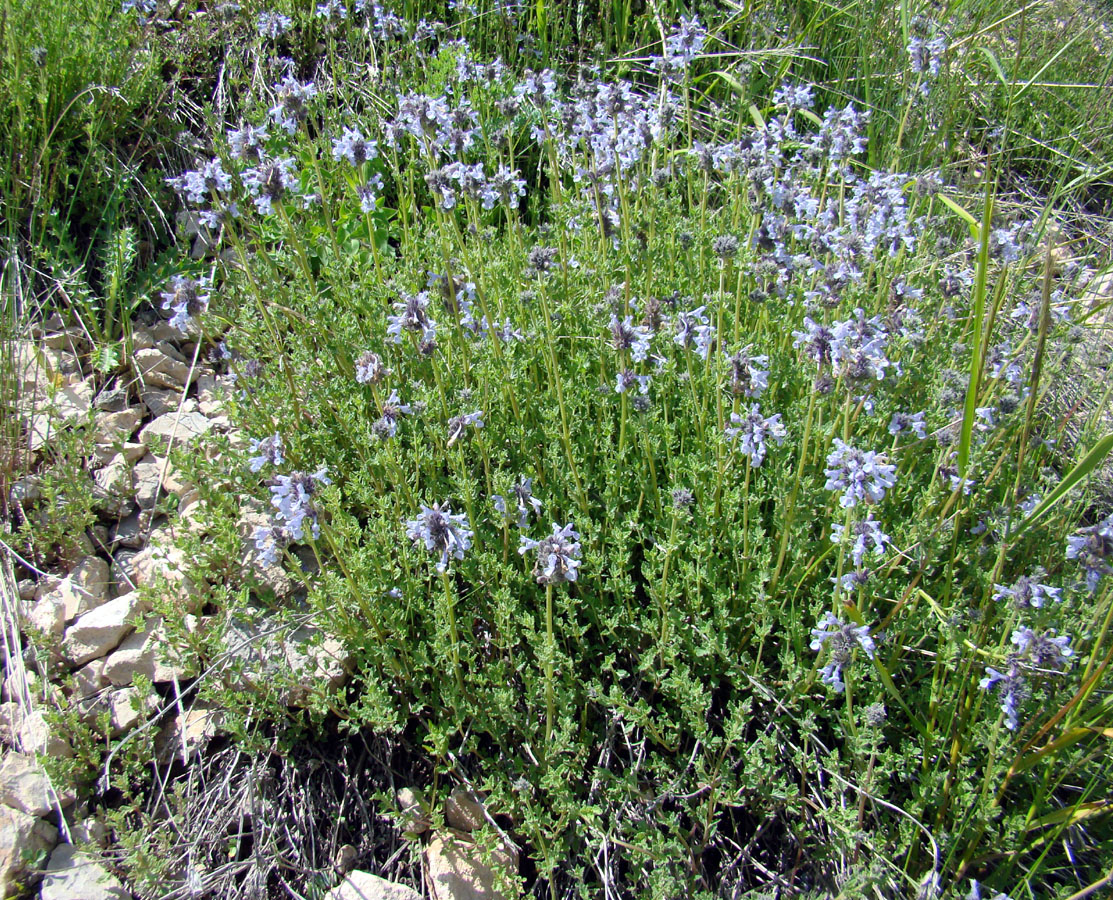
80, 634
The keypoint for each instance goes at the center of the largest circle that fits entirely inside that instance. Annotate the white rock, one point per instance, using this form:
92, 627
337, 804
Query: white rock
73, 875
23, 840
91, 578
183, 428
84, 589
414, 819
115, 486
157, 368
148, 484
160, 401
463, 810
96, 633
25, 786
48, 614
202, 722
456, 871
11, 720
116, 427
129, 707
89, 680
314, 663
144, 653
365, 886
38, 738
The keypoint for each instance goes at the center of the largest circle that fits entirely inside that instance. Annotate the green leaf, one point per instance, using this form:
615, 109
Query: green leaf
1085, 467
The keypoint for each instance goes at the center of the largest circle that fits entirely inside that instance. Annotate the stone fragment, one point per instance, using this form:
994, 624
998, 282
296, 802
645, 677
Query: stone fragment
38, 738
183, 428
113, 398
463, 810
159, 401
202, 722
123, 571
365, 886
11, 720
457, 872
115, 487
91, 579
89, 680
95, 633
145, 653
74, 875
25, 786
24, 840
157, 368
129, 707
414, 819
129, 532
84, 589
163, 563
116, 427
314, 663
47, 615
148, 484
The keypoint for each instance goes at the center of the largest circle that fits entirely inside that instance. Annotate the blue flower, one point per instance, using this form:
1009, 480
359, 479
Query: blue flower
269, 450
842, 638
860, 475
442, 532
752, 430
187, 297
558, 555
292, 497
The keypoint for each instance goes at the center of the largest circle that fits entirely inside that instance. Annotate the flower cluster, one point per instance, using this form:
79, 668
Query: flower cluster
1091, 547
442, 532
752, 430
187, 298
1034, 650
522, 495
860, 475
842, 638
558, 555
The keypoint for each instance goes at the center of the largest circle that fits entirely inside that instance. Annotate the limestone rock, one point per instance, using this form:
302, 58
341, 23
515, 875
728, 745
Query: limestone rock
95, 633
144, 653
456, 871
38, 738
115, 487
183, 428
11, 720
116, 427
48, 614
129, 532
123, 571
22, 837
314, 663
159, 561
463, 810
89, 680
159, 401
73, 875
365, 886
414, 819
91, 579
148, 482
129, 707
157, 368
24, 785
201, 723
